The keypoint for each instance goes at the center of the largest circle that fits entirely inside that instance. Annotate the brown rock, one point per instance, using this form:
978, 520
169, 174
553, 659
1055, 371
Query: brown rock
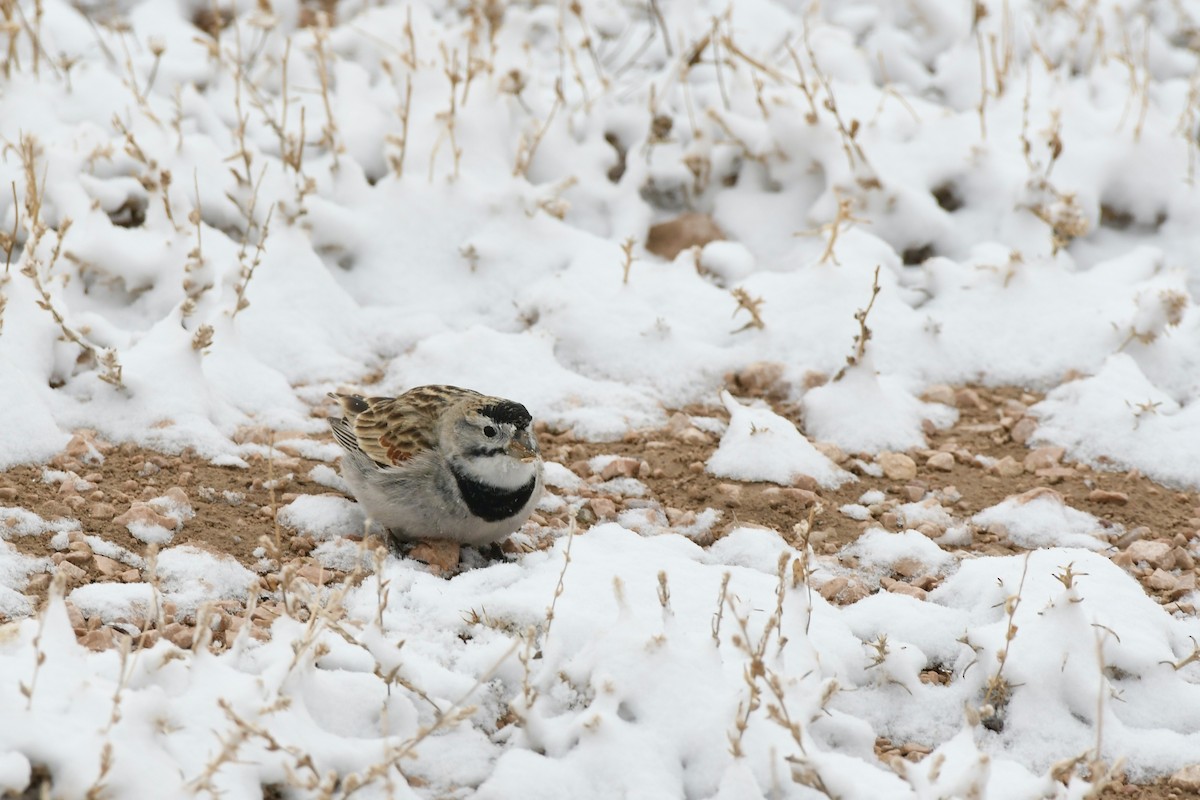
108, 567
730, 494
802, 497
773, 496
668, 239
941, 461
74, 574
1162, 581
1044, 458
302, 545
832, 452
8, 494
441, 554
678, 517
844, 591
83, 446
98, 639
897, 466
79, 558
969, 398
621, 467
833, 587
38, 583
1183, 559
805, 482
908, 567
146, 514
759, 379
102, 511
1055, 474
179, 634
602, 507
940, 393
177, 495
314, 574
900, 587
680, 426
75, 616
1023, 429
1153, 551
693, 436
914, 493
1184, 585
930, 529
927, 582
130, 576
1187, 778
1168, 561
1106, 496
1016, 408
54, 508
1037, 492
1007, 467
912, 748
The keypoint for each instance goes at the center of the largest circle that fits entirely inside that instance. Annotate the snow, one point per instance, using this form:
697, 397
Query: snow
760, 445
322, 516
190, 576
878, 549
111, 602
328, 476
15, 568
1043, 520
442, 194
869, 412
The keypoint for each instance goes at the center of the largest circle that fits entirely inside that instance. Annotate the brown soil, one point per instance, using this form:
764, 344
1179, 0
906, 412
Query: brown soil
232, 505
1159, 790
235, 508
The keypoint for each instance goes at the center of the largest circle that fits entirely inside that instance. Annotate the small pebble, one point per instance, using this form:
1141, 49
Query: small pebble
897, 466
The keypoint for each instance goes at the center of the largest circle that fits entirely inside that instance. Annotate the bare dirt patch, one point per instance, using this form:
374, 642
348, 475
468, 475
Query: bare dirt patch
232, 505
972, 465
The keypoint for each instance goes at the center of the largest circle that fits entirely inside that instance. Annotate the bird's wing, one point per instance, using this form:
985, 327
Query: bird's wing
392, 430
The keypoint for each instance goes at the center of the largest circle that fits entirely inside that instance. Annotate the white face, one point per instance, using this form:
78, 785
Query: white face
500, 454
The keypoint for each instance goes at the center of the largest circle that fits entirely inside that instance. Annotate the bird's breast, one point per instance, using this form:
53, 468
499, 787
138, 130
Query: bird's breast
489, 502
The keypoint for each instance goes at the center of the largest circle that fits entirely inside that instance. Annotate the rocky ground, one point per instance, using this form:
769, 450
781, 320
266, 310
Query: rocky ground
652, 481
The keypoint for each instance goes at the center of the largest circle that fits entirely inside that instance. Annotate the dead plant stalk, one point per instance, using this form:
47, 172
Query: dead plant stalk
864, 333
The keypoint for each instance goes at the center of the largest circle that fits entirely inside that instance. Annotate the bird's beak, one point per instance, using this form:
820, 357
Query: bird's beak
518, 449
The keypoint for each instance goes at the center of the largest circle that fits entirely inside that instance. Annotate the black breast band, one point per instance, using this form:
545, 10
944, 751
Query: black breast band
488, 502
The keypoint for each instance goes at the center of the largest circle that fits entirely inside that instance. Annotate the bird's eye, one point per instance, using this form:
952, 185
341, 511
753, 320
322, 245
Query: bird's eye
489, 431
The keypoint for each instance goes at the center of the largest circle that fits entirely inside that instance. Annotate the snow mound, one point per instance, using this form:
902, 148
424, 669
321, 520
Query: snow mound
760, 445
1040, 518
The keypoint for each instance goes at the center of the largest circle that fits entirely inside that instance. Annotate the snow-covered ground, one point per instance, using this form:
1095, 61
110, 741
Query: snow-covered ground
205, 234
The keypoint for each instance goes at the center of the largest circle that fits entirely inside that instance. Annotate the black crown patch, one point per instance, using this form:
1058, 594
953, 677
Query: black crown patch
506, 411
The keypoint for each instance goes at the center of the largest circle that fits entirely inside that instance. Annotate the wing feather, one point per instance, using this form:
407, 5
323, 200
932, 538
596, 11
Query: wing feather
393, 430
